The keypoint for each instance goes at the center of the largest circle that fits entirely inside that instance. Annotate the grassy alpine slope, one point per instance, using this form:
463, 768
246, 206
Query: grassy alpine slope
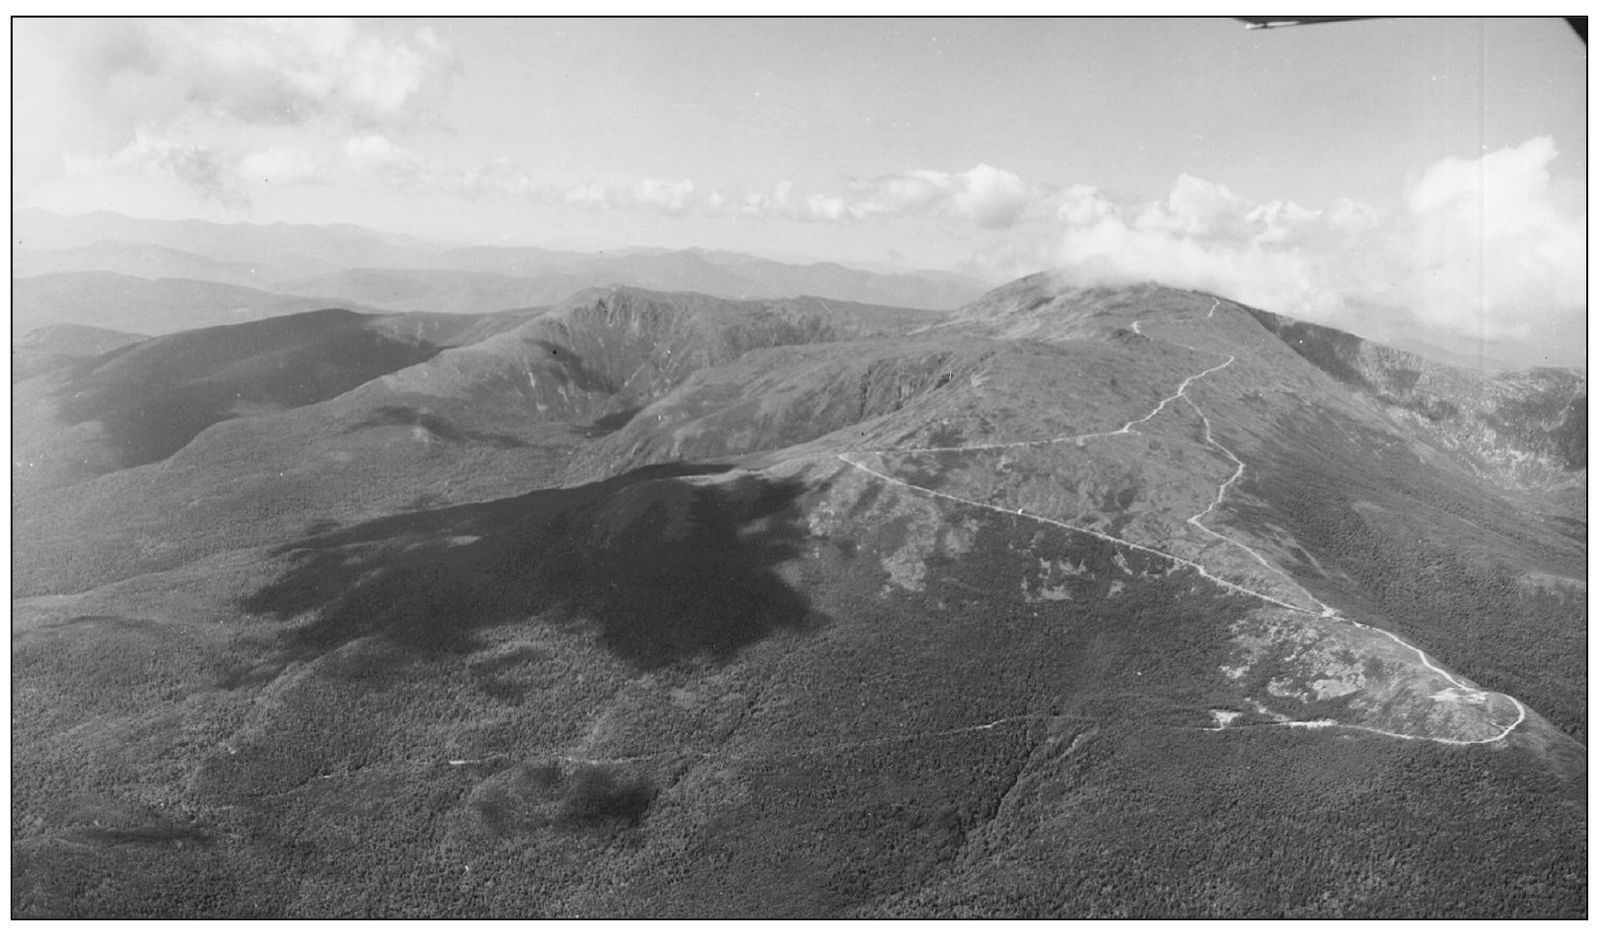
1072, 603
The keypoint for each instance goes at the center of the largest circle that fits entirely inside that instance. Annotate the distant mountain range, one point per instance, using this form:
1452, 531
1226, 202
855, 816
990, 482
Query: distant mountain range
1062, 602
1564, 346
124, 302
293, 267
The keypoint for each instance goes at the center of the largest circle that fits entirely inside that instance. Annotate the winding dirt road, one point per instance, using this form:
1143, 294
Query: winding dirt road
1318, 607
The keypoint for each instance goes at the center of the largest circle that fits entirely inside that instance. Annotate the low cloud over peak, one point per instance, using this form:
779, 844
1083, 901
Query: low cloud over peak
1478, 246
226, 110
985, 196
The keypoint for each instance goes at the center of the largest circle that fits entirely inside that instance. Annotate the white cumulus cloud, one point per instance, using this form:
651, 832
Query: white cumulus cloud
985, 196
1203, 235
282, 165
375, 155
1491, 243
674, 198
175, 93
270, 71
202, 169
1483, 246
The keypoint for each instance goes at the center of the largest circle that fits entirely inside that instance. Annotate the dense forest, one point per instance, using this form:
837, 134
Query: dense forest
1428, 558
872, 762
1076, 613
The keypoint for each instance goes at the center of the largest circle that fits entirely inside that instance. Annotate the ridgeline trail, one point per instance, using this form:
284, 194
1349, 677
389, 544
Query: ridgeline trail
1317, 608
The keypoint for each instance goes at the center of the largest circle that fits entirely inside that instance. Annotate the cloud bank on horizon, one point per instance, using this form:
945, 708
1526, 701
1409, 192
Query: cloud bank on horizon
1483, 245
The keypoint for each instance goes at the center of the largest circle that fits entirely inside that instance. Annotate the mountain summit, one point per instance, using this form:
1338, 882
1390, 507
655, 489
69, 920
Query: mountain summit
1073, 601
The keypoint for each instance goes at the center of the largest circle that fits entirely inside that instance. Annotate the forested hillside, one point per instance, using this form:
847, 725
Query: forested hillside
1123, 602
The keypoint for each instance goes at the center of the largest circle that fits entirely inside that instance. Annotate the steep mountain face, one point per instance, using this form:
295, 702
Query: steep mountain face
594, 361
340, 413
621, 347
775, 398
1527, 427
1129, 602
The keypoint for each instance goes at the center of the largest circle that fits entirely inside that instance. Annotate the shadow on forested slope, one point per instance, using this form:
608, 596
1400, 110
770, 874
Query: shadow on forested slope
437, 426
666, 570
609, 423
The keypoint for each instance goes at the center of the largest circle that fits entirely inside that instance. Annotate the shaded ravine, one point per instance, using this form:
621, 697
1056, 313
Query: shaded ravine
1320, 608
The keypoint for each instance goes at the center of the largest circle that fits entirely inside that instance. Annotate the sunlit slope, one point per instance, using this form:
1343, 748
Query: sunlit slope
231, 435
580, 695
1074, 603
604, 352
142, 402
1191, 429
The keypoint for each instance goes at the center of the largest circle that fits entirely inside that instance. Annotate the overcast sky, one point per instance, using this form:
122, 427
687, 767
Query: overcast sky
1436, 165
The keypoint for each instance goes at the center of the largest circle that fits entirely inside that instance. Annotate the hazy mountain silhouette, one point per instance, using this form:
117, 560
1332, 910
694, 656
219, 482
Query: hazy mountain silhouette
68, 258
150, 307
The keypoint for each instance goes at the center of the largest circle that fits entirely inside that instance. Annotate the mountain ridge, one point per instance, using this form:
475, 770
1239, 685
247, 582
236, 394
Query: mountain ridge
353, 265
721, 630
